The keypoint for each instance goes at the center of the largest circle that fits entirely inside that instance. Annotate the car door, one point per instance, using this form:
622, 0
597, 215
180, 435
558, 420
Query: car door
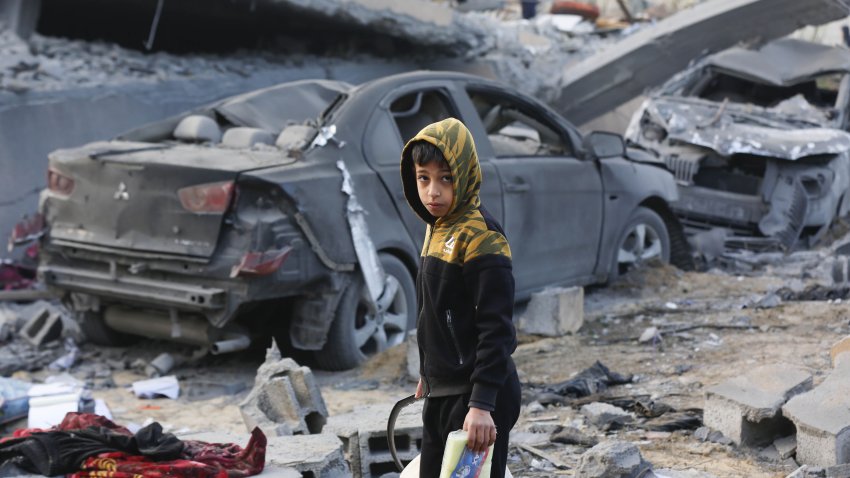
401, 115
553, 201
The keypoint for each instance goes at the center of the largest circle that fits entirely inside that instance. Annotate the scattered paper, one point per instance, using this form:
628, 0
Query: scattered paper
49, 410
100, 408
155, 387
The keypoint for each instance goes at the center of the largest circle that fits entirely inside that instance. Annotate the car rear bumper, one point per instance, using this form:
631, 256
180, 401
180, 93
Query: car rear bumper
132, 288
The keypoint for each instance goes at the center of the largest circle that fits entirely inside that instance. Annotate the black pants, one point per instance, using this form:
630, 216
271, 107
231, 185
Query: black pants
443, 415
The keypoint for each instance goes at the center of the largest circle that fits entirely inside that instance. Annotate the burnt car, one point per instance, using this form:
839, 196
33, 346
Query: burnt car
281, 211
757, 140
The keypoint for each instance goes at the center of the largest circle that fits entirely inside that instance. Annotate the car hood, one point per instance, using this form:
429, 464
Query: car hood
791, 130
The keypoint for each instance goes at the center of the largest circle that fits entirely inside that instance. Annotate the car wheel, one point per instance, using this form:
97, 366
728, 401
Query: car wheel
357, 332
97, 332
644, 238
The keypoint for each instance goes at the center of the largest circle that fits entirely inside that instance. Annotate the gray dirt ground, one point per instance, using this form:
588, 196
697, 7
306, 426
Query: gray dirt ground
675, 369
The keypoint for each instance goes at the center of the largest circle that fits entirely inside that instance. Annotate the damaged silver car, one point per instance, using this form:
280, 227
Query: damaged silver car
281, 212
757, 140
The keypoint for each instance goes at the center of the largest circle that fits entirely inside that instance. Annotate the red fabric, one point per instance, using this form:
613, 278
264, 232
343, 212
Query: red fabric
73, 421
585, 10
201, 460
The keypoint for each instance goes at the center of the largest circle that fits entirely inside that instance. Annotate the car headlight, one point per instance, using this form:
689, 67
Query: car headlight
653, 132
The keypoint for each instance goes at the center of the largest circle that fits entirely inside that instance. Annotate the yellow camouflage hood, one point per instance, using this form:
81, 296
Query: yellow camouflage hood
455, 142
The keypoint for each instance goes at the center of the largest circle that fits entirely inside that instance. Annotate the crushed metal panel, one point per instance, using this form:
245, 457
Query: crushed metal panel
770, 63
647, 58
734, 129
367, 255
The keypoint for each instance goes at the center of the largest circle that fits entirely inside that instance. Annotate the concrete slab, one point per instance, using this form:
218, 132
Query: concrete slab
822, 419
320, 454
554, 312
364, 433
786, 446
746, 409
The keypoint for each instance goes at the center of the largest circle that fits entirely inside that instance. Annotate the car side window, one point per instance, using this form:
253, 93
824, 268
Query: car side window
416, 110
382, 141
515, 129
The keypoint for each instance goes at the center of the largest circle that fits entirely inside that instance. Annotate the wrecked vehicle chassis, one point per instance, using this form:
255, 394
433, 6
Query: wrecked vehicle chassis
255, 215
757, 148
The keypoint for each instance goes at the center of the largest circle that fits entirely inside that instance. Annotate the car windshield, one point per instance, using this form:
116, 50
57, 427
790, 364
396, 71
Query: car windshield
820, 91
271, 109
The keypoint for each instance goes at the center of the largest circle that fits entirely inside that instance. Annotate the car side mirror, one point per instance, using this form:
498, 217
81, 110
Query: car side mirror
602, 144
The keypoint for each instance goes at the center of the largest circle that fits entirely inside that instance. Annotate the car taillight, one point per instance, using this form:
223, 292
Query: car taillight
207, 198
59, 183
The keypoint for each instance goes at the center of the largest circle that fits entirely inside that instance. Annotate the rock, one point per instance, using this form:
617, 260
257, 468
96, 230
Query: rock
573, 436
613, 459
769, 301
649, 334
605, 415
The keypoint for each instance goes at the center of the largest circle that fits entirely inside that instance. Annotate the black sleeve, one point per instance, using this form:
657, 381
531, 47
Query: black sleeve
490, 280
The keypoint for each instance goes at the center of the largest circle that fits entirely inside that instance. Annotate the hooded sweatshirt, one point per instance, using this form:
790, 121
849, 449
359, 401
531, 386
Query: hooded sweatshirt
465, 286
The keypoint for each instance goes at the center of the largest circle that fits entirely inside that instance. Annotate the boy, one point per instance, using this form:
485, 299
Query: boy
465, 296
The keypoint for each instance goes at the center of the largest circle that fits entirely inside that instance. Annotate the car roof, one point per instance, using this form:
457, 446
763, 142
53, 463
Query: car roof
782, 62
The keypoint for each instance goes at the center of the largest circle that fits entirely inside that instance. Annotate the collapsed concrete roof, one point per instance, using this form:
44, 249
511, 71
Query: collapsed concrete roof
625, 70
783, 62
421, 23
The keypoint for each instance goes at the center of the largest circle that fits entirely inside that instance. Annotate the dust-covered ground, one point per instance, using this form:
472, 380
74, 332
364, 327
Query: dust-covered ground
710, 329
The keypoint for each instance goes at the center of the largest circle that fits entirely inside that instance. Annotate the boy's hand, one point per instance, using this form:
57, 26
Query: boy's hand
480, 429
420, 389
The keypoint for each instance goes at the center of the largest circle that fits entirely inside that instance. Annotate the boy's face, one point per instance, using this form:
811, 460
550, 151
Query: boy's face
434, 183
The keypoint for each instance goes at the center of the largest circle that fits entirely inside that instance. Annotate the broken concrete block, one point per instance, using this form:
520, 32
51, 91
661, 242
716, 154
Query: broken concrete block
822, 419
613, 459
746, 409
8, 324
364, 435
554, 312
305, 455
285, 399
838, 471
604, 415
837, 352
786, 446
312, 455
44, 326
412, 356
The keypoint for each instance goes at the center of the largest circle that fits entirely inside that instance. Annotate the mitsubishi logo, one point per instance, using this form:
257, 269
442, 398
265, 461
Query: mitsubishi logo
121, 193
